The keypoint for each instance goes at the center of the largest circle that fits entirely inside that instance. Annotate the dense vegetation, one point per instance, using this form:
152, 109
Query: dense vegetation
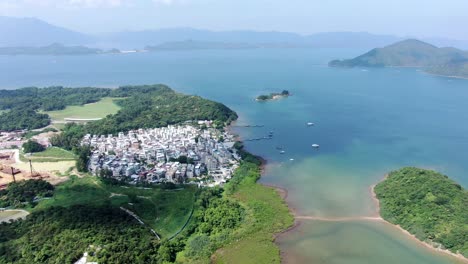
62, 235
32, 146
24, 104
144, 106
272, 96
22, 193
161, 107
22, 118
428, 205
413, 53
84, 216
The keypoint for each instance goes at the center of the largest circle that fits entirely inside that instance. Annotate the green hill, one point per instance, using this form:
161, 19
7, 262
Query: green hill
428, 205
412, 53
453, 69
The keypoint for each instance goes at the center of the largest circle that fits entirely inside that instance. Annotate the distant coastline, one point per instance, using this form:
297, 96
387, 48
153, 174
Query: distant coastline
448, 62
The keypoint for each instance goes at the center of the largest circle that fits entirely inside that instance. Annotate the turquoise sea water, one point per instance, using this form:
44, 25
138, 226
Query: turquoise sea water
368, 122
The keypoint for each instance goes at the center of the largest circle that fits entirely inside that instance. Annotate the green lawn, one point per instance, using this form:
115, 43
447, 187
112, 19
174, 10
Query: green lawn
51, 154
166, 211
100, 109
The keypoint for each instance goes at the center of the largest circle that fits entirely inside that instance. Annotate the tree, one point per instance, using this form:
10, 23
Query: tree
32, 146
83, 158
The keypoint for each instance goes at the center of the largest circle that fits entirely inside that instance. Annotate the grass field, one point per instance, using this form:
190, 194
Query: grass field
166, 211
267, 214
100, 109
52, 154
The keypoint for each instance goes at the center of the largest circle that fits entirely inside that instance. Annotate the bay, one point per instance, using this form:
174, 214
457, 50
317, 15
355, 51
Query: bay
367, 122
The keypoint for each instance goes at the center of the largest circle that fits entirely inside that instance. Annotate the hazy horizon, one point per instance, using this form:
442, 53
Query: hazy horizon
419, 19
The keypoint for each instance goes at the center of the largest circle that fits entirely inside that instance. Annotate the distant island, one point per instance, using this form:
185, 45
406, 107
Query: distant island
413, 53
272, 96
53, 49
199, 45
428, 205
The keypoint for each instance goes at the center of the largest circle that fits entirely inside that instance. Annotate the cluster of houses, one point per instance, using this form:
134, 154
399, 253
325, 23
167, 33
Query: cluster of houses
177, 154
15, 139
12, 139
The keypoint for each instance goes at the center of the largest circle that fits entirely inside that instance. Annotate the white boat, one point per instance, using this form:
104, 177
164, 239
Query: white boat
310, 124
291, 159
315, 145
282, 152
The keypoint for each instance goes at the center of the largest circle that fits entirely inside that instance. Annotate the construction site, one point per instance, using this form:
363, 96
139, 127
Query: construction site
10, 172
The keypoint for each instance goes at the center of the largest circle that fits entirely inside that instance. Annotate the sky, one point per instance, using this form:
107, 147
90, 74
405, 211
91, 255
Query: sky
419, 18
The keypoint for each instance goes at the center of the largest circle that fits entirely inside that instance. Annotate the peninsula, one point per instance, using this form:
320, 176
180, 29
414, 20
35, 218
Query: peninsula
272, 96
428, 205
413, 53
162, 168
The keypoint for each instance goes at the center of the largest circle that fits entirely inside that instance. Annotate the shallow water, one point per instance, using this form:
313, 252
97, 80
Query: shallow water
367, 124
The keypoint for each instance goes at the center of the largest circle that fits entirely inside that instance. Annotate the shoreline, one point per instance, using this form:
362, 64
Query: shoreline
426, 244
376, 216
446, 76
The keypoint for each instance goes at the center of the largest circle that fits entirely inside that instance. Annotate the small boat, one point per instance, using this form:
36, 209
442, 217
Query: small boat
291, 159
282, 152
310, 124
315, 145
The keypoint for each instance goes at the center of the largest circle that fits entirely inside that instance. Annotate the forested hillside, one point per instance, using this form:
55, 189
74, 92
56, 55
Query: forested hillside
145, 106
83, 215
413, 53
428, 205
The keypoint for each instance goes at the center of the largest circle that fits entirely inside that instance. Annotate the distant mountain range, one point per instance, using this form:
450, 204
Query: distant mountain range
32, 32
413, 53
198, 45
54, 49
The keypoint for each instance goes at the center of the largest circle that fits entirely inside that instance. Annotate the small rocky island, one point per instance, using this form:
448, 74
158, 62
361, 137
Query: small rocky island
272, 96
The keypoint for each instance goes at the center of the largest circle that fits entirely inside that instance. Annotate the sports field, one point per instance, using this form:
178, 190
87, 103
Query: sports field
52, 154
100, 109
